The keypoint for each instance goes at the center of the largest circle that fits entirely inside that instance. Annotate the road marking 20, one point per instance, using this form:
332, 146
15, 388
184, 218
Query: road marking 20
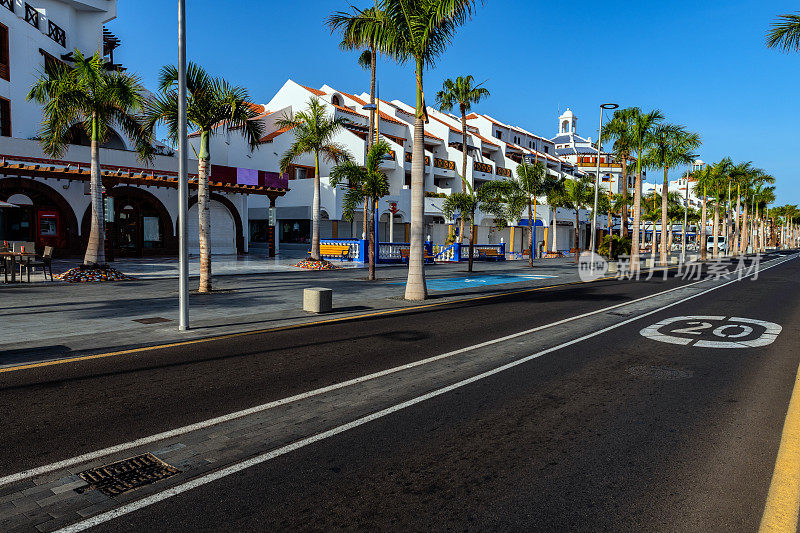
741, 329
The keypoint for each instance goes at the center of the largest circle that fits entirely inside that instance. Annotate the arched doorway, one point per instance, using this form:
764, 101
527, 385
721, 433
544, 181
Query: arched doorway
137, 224
43, 216
227, 235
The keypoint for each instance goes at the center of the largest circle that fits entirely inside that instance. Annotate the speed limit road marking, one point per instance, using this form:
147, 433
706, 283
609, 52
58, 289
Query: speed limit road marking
713, 331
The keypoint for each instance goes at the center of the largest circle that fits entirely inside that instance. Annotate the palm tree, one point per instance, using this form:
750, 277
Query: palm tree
213, 106
577, 194
95, 99
702, 181
671, 145
620, 203
519, 193
785, 33
555, 191
642, 126
418, 31
461, 93
364, 184
488, 198
314, 132
740, 175
620, 129
367, 59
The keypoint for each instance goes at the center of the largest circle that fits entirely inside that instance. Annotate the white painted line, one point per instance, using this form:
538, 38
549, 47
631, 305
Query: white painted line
90, 456
238, 467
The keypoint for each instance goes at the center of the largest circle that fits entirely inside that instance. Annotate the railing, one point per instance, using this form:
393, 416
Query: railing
389, 252
409, 157
602, 164
8, 4
504, 172
354, 244
31, 16
56, 33
444, 163
445, 253
460, 252
482, 167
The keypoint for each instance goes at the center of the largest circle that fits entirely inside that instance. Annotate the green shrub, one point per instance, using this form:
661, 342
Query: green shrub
613, 246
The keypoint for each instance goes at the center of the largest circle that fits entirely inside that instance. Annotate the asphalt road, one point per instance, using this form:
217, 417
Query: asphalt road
616, 433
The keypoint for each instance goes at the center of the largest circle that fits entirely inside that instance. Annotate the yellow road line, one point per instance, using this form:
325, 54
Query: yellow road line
278, 328
783, 500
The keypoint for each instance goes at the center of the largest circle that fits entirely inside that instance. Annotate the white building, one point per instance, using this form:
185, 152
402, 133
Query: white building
494, 149
52, 195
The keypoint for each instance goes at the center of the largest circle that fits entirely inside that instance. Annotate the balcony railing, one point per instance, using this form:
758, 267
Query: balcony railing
444, 163
504, 172
31, 16
8, 4
56, 33
602, 164
409, 157
482, 167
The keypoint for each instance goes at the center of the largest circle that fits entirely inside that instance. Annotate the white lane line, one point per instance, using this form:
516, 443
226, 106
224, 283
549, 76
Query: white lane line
90, 456
253, 461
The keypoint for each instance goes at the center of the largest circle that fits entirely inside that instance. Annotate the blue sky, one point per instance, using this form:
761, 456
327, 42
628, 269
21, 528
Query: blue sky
704, 64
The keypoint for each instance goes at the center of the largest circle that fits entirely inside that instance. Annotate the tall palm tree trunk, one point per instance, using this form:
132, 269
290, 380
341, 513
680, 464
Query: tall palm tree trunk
531, 229
664, 194
471, 239
637, 217
737, 228
703, 222
95, 248
715, 253
415, 285
745, 229
623, 227
371, 246
315, 211
463, 163
204, 213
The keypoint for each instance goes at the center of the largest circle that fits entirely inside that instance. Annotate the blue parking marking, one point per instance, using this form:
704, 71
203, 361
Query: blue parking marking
452, 284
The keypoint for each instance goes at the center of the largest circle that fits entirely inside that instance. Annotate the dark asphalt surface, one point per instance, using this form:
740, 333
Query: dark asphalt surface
69, 409
588, 438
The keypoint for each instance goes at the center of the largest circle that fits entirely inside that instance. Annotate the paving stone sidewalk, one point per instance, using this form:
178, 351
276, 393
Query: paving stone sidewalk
50, 320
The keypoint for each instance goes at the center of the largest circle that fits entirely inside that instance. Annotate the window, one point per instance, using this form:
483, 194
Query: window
50, 62
5, 117
499, 134
5, 67
546, 150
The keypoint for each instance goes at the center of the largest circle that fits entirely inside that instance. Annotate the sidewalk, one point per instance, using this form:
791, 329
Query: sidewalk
53, 320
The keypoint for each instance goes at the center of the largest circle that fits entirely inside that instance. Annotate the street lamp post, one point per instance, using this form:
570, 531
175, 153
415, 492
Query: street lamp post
597, 176
685, 216
183, 183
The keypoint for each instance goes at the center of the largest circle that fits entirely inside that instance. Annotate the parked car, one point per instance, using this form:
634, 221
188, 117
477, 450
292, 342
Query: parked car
722, 243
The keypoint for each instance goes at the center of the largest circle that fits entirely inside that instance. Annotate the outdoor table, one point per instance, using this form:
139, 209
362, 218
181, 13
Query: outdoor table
12, 256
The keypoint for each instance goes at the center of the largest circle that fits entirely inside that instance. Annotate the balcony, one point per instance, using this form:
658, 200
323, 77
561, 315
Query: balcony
445, 164
482, 167
409, 157
505, 172
56, 33
31, 16
8, 4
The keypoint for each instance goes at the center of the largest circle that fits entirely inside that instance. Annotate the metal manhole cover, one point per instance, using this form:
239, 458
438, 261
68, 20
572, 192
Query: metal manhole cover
659, 372
152, 320
123, 476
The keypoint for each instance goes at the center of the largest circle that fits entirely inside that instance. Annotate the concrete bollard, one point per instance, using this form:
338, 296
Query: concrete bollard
317, 300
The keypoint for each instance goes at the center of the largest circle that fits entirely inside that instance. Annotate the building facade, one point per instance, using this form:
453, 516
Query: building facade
52, 196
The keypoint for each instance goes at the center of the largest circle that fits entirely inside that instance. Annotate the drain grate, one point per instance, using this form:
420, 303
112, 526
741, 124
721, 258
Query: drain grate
124, 476
152, 320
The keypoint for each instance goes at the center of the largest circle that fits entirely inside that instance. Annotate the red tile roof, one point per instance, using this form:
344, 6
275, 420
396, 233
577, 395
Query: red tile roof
452, 128
348, 110
269, 137
432, 136
354, 98
484, 139
313, 91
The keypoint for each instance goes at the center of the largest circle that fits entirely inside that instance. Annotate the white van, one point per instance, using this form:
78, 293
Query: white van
722, 243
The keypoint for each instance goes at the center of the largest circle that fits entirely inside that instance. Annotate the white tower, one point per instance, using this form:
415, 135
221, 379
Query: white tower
567, 123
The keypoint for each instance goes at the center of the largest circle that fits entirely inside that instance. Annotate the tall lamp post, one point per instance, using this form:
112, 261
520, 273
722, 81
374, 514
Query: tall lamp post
183, 182
603, 107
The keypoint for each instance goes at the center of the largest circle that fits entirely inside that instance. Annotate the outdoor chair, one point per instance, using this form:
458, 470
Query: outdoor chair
45, 262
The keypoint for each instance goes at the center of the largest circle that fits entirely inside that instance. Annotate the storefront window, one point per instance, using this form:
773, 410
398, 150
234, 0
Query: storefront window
295, 231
